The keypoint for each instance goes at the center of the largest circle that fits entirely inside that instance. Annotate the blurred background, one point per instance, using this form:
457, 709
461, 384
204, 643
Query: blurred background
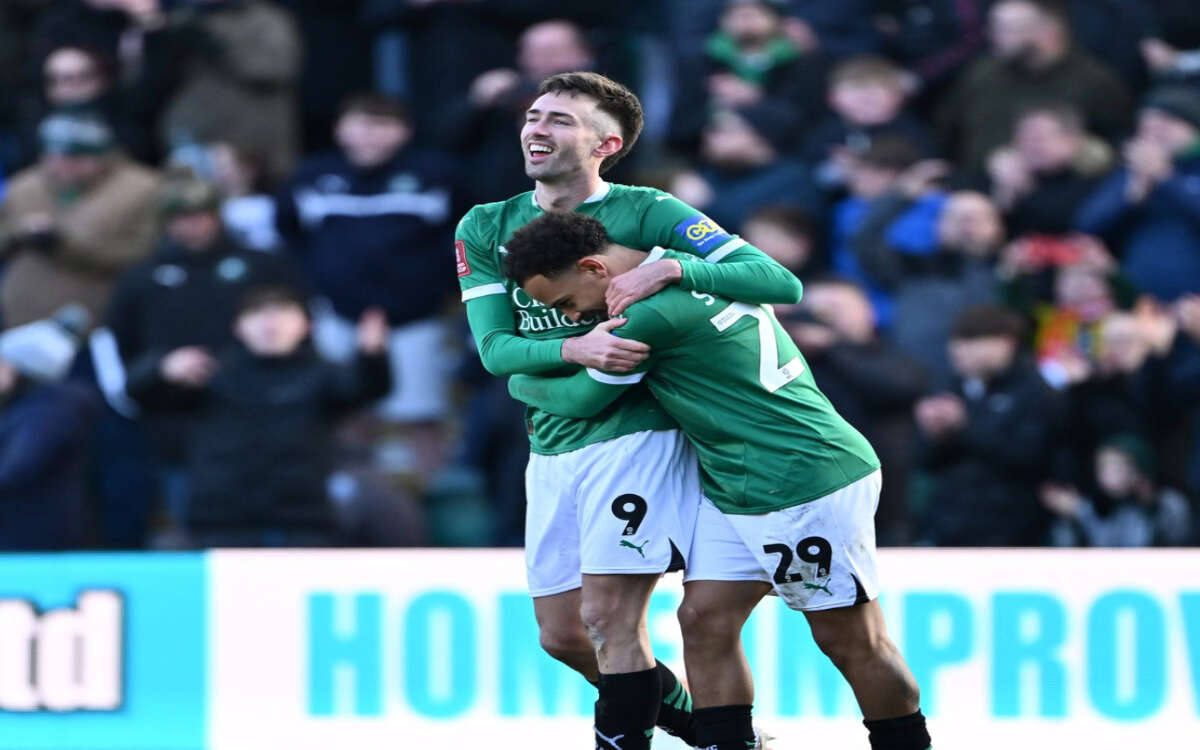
230, 319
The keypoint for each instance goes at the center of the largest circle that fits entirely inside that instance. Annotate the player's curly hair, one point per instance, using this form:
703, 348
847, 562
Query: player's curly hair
551, 244
612, 98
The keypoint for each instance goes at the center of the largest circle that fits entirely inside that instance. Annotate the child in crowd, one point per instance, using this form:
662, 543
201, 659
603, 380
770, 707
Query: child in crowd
1131, 509
260, 449
867, 95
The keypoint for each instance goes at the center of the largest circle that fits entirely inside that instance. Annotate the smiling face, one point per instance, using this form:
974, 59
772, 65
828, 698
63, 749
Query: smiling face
578, 292
565, 135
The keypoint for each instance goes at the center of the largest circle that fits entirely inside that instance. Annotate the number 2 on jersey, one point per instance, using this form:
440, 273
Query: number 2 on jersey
770, 373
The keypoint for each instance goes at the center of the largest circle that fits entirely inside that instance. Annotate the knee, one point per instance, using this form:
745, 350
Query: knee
846, 647
605, 620
707, 627
564, 643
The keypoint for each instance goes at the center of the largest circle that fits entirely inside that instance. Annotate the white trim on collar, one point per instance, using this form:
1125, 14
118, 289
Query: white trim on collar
600, 194
656, 254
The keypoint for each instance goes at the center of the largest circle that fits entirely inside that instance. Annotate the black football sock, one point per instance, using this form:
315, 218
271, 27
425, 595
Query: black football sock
627, 710
724, 728
675, 711
900, 733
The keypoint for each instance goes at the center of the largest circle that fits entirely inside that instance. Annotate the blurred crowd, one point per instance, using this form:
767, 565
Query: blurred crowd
229, 316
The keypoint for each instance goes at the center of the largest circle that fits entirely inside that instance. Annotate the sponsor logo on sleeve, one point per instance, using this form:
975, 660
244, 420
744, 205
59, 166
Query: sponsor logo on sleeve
460, 255
702, 233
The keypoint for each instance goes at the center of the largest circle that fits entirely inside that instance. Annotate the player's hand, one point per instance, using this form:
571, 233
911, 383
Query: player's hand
372, 331
188, 366
601, 350
639, 283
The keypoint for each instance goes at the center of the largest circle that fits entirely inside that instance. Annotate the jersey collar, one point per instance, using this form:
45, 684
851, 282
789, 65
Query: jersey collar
656, 254
600, 194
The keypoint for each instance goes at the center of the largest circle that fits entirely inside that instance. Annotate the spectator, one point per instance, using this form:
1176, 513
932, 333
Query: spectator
483, 126
175, 311
43, 436
867, 96
872, 384
1131, 509
259, 451
788, 235
1042, 178
44, 425
743, 166
1104, 396
750, 61
72, 223
886, 175
247, 205
931, 291
1032, 62
986, 441
1150, 207
223, 70
1067, 285
184, 296
78, 78
371, 224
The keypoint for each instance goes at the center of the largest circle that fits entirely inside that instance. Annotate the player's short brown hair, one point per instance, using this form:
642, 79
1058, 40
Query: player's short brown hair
611, 98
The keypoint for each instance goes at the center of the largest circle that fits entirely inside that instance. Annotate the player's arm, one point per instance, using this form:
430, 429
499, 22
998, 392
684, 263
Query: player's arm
490, 316
733, 268
589, 391
580, 396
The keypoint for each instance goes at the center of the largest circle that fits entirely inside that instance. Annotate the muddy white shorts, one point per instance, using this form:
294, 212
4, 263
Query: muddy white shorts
819, 555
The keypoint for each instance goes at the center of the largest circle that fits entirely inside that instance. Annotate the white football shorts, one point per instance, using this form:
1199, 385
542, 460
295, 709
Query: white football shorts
623, 506
819, 555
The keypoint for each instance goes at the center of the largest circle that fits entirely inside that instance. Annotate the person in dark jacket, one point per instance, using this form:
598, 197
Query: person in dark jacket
870, 382
371, 224
1130, 507
1033, 60
1150, 207
43, 441
1051, 167
176, 307
259, 450
986, 442
867, 97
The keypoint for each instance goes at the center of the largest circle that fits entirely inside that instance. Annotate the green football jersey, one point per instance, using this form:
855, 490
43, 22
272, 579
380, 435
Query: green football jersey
766, 437
635, 216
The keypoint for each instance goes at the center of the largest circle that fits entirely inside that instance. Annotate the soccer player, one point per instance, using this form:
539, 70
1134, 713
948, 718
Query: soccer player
612, 498
791, 488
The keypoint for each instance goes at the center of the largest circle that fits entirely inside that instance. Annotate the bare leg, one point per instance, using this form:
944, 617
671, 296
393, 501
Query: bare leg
562, 634
614, 614
711, 618
856, 640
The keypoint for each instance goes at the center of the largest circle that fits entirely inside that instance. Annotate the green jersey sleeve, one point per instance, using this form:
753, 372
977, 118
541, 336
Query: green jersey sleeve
489, 313
587, 392
734, 268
